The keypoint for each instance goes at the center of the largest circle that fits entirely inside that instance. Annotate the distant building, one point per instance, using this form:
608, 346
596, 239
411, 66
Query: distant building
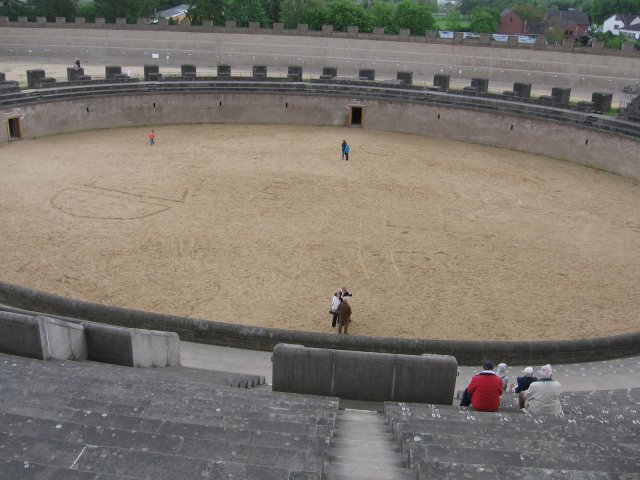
177, 13
574, 23
512, 24
628, 24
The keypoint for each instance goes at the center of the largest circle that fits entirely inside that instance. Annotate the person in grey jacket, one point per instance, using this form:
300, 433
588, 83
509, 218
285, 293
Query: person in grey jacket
543, 397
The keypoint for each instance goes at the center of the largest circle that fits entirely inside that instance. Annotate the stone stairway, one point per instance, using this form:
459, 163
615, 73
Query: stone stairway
363, 448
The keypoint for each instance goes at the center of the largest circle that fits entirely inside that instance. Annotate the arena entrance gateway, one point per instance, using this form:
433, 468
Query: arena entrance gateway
14, 124
356, 115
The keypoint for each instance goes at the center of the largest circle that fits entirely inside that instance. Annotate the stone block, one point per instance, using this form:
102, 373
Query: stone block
207, 24
561, 95
3, 77
34, 76
188, 70
74, 73
40, 337
378, 31
41, 20
406, 78
327, 30
254, 27
602, 101
121, 22
294, 72
522, 90
441, 81
110, 71
404, 34
480, 85
352, 31
132, 347
259, 71
329, 72
278, 28
230, 25
364, 375
367, 74
60, 21
302, 28
224, 71
150, 69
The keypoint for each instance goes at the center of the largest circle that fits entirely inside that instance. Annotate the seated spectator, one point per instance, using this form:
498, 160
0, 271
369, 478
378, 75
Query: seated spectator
523, 385
502, 373
484, 391
543, 397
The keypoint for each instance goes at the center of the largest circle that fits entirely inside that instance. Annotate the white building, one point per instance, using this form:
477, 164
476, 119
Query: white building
628, 24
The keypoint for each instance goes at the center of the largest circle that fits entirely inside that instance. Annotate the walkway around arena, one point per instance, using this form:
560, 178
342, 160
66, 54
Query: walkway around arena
604, 375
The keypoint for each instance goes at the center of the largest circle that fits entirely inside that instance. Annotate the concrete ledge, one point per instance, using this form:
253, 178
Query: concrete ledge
366, 376
41, 337
132, 347
257, 338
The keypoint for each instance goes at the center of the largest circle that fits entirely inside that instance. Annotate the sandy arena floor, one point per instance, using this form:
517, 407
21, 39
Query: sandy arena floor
259, 224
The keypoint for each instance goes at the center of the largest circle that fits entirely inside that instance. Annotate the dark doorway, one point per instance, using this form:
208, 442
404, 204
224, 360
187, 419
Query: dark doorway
15, 129
356, 116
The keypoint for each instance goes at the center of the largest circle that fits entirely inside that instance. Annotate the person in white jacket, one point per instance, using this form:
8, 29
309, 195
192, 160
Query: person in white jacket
543, 397
335, 303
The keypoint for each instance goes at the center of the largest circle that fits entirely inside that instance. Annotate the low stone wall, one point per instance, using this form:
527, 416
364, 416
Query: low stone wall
41, 337
586, 139
257, 338
375, 377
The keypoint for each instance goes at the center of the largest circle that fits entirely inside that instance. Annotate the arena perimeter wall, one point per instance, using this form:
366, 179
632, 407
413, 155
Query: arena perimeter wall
258, 338
494, 126
562, 139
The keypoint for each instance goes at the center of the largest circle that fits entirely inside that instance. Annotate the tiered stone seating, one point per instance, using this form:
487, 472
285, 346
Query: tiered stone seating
89, 420
597, 439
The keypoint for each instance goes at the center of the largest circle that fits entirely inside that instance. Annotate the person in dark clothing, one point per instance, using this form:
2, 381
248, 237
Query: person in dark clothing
523, 384
344, 145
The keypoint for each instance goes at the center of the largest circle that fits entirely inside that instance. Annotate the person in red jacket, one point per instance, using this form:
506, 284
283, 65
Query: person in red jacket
484, 391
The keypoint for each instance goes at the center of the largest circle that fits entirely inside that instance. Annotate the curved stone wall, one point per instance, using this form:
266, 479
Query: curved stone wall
258, 338
566, 136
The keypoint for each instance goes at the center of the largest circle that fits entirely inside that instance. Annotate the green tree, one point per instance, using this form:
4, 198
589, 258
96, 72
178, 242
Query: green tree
555, 30
413, 16
603, 9
272, 10
55, 8
207, 10
15, 8
467, 6
245, 11
454, 21
311, 12
484, 20
87, 11
344, 13
529, 12
383, 15
112, 9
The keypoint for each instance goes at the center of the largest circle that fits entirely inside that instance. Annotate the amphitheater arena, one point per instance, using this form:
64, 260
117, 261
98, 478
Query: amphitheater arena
452, 221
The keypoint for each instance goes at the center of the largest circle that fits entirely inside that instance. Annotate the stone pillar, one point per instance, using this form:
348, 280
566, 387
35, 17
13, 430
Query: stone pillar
74, 73
329, 72
378, 31
259, 71
406, 78
352, 31
224, 71
602, 101
230, 25
112, 71
480, 85
34, 76
485, 39
188, 71
278, 28
561, 95
254, 27
405, 34
121, 22
327, 30
294, 73
99, 22
367, 74
522, 90
207, 24
149, 71
61, 20
39, 20
431, 36
303, 28
458, 37
441, 81
4, 21
22, 20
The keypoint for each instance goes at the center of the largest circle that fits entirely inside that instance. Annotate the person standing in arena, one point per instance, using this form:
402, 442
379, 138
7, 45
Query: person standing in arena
344, 144
152, 138
335, 303
344, 316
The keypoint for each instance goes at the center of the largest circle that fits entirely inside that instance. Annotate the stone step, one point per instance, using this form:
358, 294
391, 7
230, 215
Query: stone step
483, 456
238, 401
289, 457
340, 471
371, 458
57, 429
97, 418
458, 471
129, 463
526, 444
18, 470
546, 432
